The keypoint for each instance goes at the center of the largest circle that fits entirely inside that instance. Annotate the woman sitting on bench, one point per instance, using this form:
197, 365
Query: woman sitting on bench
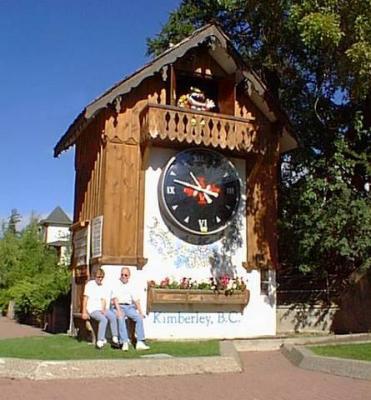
94, 306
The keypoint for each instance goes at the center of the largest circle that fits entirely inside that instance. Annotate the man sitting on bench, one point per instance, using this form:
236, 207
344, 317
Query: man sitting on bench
127, 304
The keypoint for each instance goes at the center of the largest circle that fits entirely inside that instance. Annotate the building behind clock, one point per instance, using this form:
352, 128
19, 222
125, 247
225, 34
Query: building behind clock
198, 99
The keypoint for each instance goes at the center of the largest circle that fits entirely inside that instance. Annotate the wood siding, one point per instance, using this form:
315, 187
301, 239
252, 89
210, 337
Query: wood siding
261, 208
89, 166
123, 207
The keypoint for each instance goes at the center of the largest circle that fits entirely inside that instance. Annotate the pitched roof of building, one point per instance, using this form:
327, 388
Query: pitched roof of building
57, 217
223, 52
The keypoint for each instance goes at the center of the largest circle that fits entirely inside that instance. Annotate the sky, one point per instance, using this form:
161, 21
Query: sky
56, 56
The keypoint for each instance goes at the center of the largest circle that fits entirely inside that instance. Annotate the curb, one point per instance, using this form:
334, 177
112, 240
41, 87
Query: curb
304, 358
228, 361
275, 343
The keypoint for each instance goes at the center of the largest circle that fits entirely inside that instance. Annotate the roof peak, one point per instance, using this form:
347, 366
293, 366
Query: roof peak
58, 217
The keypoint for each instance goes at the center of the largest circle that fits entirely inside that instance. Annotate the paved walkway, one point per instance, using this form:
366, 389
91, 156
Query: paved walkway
11, 329
266, 375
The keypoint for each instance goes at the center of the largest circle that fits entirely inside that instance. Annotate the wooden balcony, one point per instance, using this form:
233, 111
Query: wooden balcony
159, 123
157, 298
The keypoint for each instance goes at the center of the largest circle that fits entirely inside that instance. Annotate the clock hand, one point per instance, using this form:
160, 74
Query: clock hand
207, 197
199, 189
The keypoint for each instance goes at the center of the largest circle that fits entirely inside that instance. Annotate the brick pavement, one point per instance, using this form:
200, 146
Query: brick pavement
266, 375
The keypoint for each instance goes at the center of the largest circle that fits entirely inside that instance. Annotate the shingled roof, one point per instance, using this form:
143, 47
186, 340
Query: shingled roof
224, 53
57, 217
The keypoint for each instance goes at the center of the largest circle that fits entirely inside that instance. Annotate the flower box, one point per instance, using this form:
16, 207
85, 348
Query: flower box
158, 297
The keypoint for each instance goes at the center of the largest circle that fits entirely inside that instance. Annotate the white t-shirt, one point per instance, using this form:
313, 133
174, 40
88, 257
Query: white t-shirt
125, 293
95, 293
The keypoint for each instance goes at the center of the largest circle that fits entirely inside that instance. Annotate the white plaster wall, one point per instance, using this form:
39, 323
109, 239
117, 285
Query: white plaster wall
168, 256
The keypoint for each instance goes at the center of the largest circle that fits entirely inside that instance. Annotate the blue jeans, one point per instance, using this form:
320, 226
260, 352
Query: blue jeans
131, 312
103, 321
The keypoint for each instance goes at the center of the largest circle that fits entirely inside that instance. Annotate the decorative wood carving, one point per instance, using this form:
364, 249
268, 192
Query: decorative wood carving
117, 104
116, 140
164, 73
139, 262
174, 124
131, 142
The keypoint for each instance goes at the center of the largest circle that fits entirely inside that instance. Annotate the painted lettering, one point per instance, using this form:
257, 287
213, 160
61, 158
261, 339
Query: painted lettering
221, 318
196, 318
156, 318
233, 317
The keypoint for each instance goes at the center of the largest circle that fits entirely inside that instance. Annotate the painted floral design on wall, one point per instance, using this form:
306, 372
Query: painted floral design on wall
181, 254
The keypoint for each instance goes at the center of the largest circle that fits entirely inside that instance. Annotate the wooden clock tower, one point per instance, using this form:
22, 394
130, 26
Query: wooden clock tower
176, 176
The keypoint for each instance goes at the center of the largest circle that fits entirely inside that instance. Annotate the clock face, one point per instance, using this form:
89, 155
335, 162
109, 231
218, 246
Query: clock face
199, 191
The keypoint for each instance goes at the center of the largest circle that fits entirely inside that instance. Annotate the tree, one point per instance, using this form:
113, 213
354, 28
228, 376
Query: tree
29, 271
14, 219
315, 56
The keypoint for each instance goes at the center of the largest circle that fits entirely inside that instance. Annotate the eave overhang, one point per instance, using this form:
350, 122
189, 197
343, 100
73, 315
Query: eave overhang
222, 50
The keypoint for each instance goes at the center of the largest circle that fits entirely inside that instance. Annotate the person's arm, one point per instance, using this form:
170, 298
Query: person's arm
84, 314
119, 312
139, 308
103, 305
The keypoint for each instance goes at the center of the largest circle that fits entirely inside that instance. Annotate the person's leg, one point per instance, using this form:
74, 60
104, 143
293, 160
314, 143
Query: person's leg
133, 314
102, 320
123, 332
110, 315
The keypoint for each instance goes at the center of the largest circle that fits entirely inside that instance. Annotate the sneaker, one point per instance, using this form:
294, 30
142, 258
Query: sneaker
100, 344
141, 345
115, 339
104, 341
125, 346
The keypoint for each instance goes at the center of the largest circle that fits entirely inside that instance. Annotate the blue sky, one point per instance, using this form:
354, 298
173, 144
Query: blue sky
55, 57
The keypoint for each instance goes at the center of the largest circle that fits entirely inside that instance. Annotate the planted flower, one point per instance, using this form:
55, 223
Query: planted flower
223, 284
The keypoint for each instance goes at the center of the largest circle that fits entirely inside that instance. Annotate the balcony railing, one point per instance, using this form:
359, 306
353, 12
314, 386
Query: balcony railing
169, 124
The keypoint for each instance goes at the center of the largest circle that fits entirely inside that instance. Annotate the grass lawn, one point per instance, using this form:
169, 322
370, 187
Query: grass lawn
63, 347
356, 351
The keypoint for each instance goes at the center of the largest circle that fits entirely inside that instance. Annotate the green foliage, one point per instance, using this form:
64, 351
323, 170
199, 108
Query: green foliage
327, 226
29, 271
315, 56
320, 29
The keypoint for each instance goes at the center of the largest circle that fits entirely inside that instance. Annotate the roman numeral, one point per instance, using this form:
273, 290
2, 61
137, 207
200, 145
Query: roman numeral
203, 225
170, 189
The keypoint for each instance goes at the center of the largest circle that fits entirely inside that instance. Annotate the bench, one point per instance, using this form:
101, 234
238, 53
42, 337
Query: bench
88, 329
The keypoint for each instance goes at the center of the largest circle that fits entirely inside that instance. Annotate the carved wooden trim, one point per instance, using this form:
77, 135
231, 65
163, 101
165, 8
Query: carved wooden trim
131, 142
258, 265
138, 261
159, 123
79, 225
115, 140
